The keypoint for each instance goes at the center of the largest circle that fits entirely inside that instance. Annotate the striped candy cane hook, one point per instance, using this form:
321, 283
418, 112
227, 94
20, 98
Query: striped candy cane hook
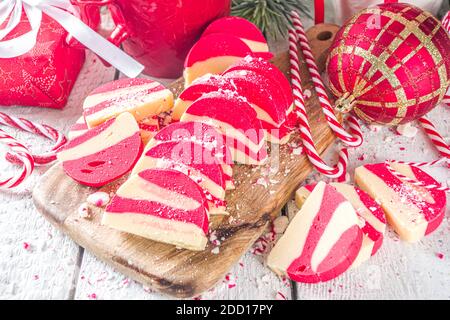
25, 157
40, 129
305, 130
352, 139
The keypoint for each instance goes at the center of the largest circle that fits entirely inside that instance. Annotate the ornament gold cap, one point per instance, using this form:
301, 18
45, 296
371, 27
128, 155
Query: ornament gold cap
345, 103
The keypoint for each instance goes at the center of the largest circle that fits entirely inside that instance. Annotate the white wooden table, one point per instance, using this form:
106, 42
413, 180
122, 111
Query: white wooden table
39, 262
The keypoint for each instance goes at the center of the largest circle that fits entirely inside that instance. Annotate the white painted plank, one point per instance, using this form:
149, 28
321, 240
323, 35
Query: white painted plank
47, 269
399, 270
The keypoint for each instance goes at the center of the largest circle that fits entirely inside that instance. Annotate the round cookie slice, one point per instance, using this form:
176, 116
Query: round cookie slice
143, 98
204, 134
412, 211
373, 216
235, 118
104, 153
263, 94
213, 54
193, 159
268, 70
243, 29
162, 205
322, 240
204, 84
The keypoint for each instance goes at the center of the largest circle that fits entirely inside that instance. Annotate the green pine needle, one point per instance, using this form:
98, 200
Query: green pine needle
271, 16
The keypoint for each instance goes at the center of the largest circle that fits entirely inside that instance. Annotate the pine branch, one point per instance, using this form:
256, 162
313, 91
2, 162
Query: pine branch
271, 16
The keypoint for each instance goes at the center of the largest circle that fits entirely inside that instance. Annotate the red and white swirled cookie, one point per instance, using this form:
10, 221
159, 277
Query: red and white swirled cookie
143, 98
194, 160
204, 134
412, 211
243, 29
104, 153
205, 84
237, 121
366, 208
213, 53
161, 205
78, 128
322, 240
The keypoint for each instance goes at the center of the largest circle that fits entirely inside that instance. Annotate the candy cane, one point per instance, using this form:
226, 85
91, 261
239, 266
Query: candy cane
435, 137
354, 139
414, 182
305, 130
446, 25
40, 129
25, 157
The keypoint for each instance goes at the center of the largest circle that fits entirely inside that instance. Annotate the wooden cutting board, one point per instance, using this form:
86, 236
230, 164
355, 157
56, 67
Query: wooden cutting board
183, 273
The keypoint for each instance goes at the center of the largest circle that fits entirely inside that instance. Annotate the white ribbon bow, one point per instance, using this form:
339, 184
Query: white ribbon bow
67, 16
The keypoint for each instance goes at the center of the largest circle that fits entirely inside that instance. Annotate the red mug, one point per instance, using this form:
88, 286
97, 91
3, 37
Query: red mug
157, 33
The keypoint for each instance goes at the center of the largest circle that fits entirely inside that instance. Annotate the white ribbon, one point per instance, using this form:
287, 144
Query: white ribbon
63, 12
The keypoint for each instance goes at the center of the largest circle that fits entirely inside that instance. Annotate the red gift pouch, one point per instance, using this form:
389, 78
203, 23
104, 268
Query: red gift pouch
44, 76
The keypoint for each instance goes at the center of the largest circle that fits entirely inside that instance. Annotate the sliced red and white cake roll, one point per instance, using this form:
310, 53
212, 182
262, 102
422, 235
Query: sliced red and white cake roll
78, 128
143, 98
213, 53
194, 160
103, 153
200, 86
204, 134
412, 211
263, 94
149, 127
322, 240
161, 205
243, 29
237, 121
373, 218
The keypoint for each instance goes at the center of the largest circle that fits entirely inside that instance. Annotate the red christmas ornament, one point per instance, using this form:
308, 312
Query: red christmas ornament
390, 64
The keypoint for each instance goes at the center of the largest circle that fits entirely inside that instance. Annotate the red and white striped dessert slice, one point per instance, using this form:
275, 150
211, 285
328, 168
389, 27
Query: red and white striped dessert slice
282, 134
269, 71
204, 84
237, 121
194, 160
78, 128
322, 240
243, 29
103, 153
161, 205
412, 211
143, 98
366, 208
213, 54
204, 134
263, 94
149, 127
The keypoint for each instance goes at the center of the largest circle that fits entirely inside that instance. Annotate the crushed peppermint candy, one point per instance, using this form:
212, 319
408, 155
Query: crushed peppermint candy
216, 250
407, 130
92, 296
297, 151
98, 199
262, 181
230, 281
83, 211
26, 246
280, 224
280, 296
440, 255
